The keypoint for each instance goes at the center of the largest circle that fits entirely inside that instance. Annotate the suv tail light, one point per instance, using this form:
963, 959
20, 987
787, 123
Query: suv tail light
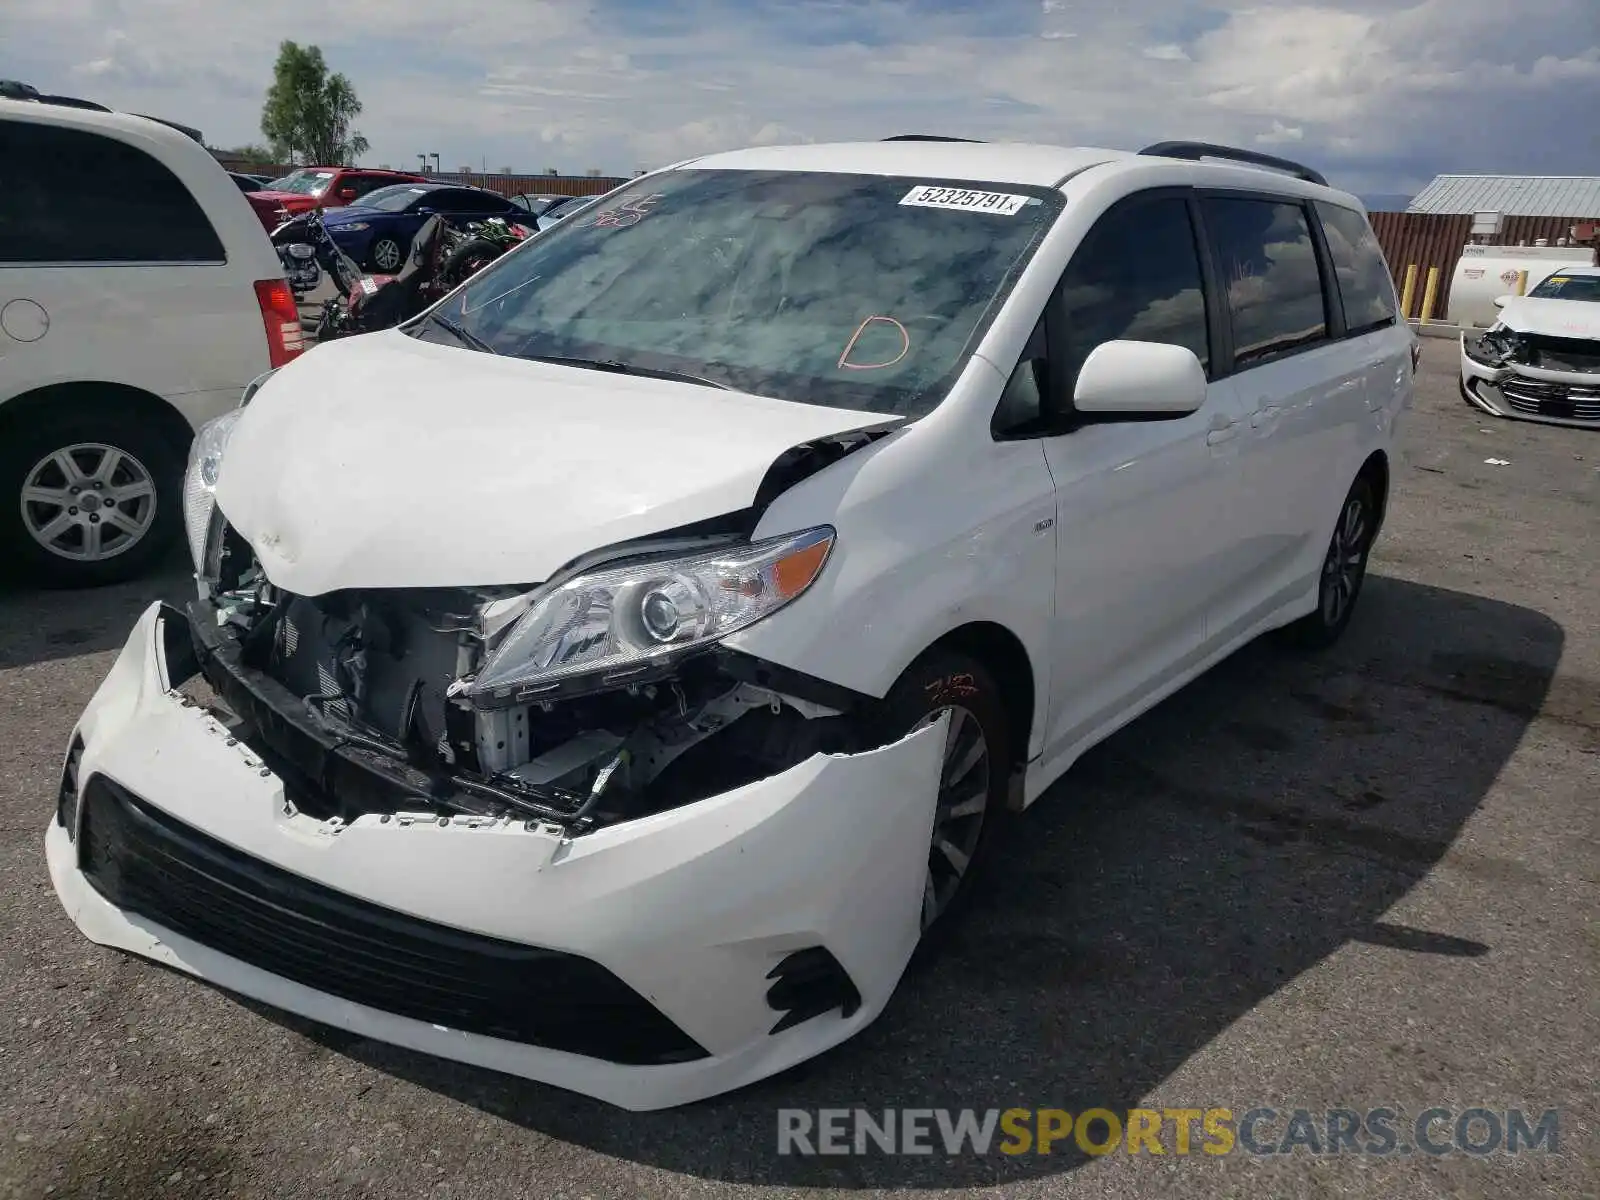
281, 316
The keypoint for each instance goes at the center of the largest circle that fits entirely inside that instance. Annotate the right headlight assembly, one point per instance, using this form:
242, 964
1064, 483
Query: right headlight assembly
605, 627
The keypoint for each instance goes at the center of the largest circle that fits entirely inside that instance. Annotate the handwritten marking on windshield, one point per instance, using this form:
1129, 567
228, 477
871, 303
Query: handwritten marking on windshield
905, 346
629, 212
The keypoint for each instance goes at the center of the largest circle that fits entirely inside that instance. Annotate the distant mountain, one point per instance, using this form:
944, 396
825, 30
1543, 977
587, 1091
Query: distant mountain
1386, 202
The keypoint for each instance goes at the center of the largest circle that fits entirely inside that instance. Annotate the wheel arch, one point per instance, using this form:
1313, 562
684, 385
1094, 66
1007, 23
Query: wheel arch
1376, 472
53, 400
1003, 653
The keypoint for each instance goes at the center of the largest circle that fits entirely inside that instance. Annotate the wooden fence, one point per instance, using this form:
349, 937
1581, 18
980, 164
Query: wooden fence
1428, 240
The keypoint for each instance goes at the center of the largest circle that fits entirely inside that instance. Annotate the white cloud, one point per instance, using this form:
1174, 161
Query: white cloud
1280, 133
1391, 88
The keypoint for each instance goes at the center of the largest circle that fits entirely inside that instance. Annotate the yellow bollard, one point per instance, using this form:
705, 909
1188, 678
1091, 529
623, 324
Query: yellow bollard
1430, 294
1522, 283
1408, 290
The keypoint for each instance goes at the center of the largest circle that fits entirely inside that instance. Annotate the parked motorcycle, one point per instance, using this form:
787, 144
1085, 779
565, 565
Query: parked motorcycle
307, 250
480, 245
373, 302
440, 259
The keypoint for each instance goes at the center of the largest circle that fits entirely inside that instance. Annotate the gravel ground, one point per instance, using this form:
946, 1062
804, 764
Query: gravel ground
1363, 879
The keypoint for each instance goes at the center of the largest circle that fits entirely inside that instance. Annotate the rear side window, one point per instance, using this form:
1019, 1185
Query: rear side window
469, 202
1268, 265
1136, 277
1365, 286
362, 184
74, 196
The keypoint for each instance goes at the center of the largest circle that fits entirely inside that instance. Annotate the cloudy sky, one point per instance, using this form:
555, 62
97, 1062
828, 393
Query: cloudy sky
1382, 94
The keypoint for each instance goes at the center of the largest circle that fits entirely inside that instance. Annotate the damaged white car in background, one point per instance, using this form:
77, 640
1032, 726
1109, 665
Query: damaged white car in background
1541, 360
612, 676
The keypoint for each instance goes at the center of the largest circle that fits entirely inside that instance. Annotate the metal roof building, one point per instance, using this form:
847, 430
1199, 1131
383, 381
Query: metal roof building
1512, 195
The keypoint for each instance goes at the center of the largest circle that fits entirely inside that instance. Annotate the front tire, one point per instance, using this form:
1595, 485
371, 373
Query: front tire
467, 259
89, 497
973, 782
1344, 570
385, 255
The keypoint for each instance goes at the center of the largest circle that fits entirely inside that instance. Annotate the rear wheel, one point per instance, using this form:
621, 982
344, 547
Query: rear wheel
1344, 569
467, 259
88, 497
972, 781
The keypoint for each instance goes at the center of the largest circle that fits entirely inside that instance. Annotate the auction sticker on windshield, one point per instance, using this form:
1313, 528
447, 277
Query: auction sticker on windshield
1003, 204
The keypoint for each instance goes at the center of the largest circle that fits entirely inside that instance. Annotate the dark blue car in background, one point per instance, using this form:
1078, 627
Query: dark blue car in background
377, 229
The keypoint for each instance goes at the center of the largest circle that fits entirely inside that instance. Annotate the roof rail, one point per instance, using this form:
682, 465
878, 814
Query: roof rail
928, 137
1195, 151
183, 129
14, 89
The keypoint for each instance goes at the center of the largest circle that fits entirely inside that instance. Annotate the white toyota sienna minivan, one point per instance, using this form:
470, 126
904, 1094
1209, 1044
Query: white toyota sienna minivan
613, 675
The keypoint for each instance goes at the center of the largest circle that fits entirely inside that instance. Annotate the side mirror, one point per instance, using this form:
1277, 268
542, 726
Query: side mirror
1140, 379
1502, 301
347, 194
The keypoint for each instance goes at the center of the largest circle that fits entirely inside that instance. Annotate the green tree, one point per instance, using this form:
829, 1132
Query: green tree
308, 113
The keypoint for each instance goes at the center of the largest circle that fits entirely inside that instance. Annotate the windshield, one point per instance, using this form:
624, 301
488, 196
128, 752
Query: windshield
304, 183
855, 291
394, 198
1569, 287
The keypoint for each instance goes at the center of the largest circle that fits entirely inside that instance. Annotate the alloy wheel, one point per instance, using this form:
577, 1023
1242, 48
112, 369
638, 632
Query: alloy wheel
88, 502
1346, 563
958, 819
386, 254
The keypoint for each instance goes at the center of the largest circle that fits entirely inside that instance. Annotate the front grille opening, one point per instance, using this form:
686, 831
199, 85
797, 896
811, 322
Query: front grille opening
67, 790
153, 865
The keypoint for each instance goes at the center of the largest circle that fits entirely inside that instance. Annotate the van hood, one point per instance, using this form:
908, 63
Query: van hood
1552, 318
383, 461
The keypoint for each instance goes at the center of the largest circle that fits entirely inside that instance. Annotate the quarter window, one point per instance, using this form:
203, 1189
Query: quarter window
73, 196
1136, 277
1268, 265
1365, 286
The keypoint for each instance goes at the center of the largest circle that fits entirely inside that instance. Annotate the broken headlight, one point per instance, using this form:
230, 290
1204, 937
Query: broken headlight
200, 481
613, 625
1492, 347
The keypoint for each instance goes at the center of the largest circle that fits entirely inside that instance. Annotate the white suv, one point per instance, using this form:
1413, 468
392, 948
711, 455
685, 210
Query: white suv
628, 673
138, 296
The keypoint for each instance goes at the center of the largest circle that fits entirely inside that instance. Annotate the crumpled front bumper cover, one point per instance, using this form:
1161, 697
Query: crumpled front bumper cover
1525, 393
692, 912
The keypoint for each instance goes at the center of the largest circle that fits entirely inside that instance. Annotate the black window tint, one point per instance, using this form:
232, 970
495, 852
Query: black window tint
362, 184
72, 196
1136, 277
1365, 286
1268, 264
467, 202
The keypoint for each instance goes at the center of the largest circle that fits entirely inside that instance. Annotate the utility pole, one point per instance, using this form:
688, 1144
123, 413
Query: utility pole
434, 154
424, 160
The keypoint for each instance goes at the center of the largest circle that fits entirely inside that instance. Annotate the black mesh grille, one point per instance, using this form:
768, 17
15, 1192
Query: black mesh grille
145, 862
1549, 399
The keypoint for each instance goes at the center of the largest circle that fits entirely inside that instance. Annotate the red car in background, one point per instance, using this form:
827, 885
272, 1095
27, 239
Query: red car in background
319, 187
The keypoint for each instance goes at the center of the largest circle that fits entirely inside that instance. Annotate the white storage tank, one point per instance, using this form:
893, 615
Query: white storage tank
1485, 272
